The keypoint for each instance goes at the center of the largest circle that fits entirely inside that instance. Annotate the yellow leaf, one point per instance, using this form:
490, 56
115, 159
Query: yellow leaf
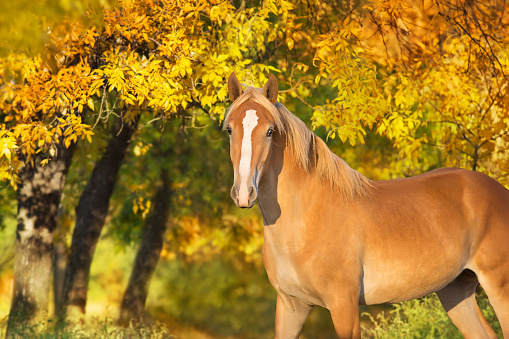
90, 103
290, 43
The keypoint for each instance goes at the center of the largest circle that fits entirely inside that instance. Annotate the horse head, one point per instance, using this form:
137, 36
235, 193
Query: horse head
251, 128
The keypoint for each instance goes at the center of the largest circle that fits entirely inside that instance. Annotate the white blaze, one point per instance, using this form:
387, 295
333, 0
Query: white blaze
249, 123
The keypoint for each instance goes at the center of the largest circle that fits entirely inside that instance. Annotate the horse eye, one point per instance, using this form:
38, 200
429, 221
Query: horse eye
269, 132
229, 130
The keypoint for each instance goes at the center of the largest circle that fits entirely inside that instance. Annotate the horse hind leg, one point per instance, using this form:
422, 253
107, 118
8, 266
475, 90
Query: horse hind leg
496, 285
458, 300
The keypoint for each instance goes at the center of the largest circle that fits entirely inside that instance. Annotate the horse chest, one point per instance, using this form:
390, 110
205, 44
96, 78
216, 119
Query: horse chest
287, 275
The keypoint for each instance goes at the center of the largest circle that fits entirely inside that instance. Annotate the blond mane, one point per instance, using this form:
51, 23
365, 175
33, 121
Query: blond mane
308, 150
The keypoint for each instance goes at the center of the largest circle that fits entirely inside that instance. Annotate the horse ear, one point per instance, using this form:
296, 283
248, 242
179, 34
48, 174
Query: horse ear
234, 87
270, 89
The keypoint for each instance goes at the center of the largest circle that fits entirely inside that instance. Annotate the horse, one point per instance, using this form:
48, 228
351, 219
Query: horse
336, 239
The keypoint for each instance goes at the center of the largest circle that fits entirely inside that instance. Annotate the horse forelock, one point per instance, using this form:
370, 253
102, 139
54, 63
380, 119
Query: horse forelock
255, 94
308, 150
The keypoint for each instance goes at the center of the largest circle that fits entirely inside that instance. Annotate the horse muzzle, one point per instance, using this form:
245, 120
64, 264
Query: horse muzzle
244, 198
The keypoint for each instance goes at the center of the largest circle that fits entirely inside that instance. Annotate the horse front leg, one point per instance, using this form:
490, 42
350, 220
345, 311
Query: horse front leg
291, 313
345, 316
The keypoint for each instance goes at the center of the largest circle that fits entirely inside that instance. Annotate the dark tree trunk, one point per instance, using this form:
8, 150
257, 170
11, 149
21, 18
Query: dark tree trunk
90, 215
38, 195
148, 254
135, 296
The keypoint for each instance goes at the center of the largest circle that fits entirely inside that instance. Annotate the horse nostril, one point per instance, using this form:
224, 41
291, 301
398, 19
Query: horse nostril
252, 194
244, 196
234, 193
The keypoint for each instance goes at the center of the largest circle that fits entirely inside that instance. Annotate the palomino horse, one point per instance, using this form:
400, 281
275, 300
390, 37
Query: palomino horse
336, 239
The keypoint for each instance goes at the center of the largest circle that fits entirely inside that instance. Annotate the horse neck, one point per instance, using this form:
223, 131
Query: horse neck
281, 182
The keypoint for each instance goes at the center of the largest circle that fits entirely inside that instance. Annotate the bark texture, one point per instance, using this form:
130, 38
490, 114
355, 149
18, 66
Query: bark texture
147, 257
59, 262
90, 216
38, 195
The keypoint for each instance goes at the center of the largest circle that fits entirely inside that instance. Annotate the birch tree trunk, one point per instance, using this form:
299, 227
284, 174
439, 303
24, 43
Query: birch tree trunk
59, 262
39, 193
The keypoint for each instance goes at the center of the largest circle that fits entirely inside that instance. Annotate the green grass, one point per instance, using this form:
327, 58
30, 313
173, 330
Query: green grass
104, 328
422, 318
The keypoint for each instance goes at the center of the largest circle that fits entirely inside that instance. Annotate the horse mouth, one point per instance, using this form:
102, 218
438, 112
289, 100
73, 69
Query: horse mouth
249, 205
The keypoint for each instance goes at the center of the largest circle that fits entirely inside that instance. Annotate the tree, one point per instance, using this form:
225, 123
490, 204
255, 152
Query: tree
91, 213
447, 82
38, 200
168, 88
152, 239
147, 257
50, 132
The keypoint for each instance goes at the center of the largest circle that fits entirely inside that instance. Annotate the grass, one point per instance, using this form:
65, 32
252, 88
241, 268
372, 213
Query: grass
422, 318
97, 328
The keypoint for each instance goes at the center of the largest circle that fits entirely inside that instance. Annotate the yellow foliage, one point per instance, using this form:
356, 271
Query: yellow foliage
162, 56
194, 240
359, 101
7, 144
167, 57
461, 112
445, 83
142, 205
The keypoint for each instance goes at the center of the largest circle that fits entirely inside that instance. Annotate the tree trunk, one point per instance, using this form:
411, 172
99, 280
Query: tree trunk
148, 254
38, 195
59, 261
90, 215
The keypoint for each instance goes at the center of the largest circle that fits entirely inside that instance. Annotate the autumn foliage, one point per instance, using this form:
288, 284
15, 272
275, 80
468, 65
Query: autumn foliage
426, 75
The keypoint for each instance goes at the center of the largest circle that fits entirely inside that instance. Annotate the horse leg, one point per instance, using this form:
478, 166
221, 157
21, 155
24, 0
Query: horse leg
291, 313
458, 300
345, 316
496, 285
491, 265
